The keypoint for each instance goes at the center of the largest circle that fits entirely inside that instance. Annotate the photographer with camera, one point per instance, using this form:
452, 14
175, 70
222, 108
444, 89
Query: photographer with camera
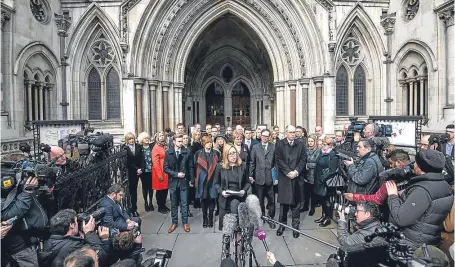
425, 203
363, 176
116, 218
27, 220
367, 219
125, 245
66, 238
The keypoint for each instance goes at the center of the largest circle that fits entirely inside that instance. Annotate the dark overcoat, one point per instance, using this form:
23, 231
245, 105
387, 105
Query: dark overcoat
289, 158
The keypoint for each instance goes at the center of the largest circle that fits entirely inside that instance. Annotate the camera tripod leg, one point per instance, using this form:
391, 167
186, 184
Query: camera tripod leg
253, 256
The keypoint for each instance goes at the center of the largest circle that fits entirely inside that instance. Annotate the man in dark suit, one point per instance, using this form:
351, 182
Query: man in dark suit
116, 218
248, 141
178, 164
290, 156
262, 160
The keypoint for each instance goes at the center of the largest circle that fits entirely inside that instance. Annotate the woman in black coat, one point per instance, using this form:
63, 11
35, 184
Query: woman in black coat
135, 164
326, 167
232, 175
313, 155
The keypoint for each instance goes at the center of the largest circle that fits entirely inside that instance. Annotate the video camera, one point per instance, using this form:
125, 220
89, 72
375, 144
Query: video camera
439, 138
158, 257
97, 215
355, 127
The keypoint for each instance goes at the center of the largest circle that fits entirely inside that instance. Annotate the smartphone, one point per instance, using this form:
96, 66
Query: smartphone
12, 220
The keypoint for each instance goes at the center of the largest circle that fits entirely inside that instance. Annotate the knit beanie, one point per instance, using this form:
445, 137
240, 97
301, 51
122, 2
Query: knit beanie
430, 160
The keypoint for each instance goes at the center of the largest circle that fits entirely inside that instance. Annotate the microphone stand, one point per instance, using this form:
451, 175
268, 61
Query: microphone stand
248, 248
268, 219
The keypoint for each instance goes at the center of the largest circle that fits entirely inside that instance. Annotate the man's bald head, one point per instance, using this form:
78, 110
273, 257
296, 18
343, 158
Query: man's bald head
318, 131
370, 130
290, 132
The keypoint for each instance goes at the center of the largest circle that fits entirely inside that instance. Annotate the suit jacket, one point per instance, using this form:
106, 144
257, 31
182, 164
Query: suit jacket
135, 160
253, 142
174, 165
289, 158
115, 216
261, 163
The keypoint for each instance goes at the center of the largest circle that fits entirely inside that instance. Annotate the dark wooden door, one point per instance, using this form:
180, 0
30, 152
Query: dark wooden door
241, 110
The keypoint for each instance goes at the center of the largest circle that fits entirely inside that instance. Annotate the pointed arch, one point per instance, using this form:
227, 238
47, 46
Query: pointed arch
418, 47
94, 95
342, 92
359, 91
113, 95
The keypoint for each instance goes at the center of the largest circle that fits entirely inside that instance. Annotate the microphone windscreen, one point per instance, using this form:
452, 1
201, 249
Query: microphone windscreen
260, 234
332, 263
229, 224
254, 211
244, 221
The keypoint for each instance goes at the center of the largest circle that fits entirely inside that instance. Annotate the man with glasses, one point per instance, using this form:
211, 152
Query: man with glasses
262, 160
366, 216
290, 156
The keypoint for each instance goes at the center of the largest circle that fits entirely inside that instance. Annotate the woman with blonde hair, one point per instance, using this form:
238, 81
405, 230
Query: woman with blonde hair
230, 175
194, 148
159, 177
313, 154
326, 168
146, 176
274, 137
135, 162
206, 161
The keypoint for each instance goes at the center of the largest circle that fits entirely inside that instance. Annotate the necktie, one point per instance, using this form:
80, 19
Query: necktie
248, 143
265, 147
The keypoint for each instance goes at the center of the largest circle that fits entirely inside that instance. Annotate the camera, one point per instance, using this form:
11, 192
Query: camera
355, 127
439, 138
158, 257
97, 215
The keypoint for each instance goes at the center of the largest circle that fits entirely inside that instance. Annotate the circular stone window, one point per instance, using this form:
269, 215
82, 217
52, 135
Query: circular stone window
410, 8
41, 10
351, 51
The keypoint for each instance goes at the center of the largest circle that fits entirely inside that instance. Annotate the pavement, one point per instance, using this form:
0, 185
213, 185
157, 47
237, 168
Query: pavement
202, 246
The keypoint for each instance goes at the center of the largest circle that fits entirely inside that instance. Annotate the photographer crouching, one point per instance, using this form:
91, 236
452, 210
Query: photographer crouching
422, 207
26, 218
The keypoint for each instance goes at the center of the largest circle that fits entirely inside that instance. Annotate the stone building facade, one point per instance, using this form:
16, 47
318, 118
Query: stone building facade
143, 65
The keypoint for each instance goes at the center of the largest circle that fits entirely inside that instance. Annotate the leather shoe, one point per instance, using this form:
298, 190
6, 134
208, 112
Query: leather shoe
172, 228
280, 231
295, 234
325, 222
320, 219
186, 227
272, 225
311, 213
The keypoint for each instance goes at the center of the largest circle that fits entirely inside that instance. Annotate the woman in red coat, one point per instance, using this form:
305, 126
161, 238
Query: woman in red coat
159, 177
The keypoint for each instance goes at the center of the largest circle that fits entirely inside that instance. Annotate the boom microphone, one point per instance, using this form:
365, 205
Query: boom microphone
244, 220
229, 226
254, 211
261, 236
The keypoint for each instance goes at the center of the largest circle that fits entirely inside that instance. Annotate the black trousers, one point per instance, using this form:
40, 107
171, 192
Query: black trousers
147, 191
309, 196
266, 191
161, 196
302, 184
208, 207
295, 209
326, 205
132, 184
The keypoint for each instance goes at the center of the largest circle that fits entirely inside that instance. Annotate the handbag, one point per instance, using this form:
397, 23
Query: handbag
336, 180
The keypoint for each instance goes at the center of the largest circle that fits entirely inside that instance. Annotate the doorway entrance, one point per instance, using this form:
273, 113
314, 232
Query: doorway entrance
241, 104
214, 104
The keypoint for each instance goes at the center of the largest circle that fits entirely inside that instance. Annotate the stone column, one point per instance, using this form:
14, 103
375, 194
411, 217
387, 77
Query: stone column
422, 96
36, 97
388, 22
171, 105
411, 98
293, 100
319, 96
158, 109
138, 84
41, 101
48, 111
165, 86
446, 14
146, 108
280, 105
153, 106
305, 84
404, 98
272, 111
416, 102
29, 84
253, 107
63, 23
178, 91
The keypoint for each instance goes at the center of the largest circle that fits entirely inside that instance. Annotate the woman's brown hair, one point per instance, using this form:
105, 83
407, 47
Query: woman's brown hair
206, 139
226, 149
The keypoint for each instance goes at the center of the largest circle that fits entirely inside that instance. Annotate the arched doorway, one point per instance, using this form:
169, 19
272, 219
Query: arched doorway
214, 98
241, 108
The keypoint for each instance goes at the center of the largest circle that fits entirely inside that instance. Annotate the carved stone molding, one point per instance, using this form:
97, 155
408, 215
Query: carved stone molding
332, 46
447, 17
41, 10
5, 16
124, 10
63, 23
6, 13
388, 23
327, 4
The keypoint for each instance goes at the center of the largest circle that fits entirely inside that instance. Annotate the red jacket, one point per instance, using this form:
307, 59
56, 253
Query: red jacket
378, 198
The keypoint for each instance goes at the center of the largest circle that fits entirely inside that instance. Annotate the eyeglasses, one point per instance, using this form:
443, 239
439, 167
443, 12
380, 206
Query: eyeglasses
325, 144
450, 131
265, 135
232, 154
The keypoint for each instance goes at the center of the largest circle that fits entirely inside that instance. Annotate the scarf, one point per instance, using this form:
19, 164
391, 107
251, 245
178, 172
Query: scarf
163, 144
327, 151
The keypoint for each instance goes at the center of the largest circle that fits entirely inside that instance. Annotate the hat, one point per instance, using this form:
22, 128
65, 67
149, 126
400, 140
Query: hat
430, 160
220, 135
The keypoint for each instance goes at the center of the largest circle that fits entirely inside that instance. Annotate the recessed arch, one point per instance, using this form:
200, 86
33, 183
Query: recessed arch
418, 47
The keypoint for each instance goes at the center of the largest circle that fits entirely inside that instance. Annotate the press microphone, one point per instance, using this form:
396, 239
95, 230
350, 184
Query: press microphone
254, 211
261, 236
244, 220
229, 226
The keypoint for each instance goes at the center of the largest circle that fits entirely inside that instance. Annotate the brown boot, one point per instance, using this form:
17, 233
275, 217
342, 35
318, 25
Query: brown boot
186, 227
172, 228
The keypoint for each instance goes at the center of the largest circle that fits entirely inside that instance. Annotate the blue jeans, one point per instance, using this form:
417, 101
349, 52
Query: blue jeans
175, 205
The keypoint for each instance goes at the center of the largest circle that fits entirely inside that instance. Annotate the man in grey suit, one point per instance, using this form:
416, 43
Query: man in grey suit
262, 160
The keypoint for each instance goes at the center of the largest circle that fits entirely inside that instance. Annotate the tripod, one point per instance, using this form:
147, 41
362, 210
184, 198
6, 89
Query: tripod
244, 249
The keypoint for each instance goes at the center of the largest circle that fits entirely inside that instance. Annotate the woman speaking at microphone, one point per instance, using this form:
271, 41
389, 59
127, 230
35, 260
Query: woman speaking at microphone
231, 175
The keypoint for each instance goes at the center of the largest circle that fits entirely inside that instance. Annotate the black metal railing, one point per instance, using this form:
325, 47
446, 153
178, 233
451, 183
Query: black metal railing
82, 189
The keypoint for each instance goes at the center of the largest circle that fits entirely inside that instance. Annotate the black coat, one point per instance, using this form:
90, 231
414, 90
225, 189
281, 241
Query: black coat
261, 163
289, 158
134, 160
326, 167
172, 166
57, 247
221, 180
115, 217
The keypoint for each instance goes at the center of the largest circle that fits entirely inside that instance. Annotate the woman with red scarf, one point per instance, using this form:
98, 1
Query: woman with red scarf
206, 160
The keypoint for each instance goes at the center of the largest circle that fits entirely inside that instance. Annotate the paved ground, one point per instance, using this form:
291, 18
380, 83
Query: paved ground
202, 246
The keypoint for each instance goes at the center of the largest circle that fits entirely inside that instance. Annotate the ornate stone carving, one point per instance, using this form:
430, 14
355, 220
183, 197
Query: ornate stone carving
332, 46
409, 9
351, 51
388, 23
40, 10
63, 23
124, 9
102, 53
5, 16
447, 16
327, 4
